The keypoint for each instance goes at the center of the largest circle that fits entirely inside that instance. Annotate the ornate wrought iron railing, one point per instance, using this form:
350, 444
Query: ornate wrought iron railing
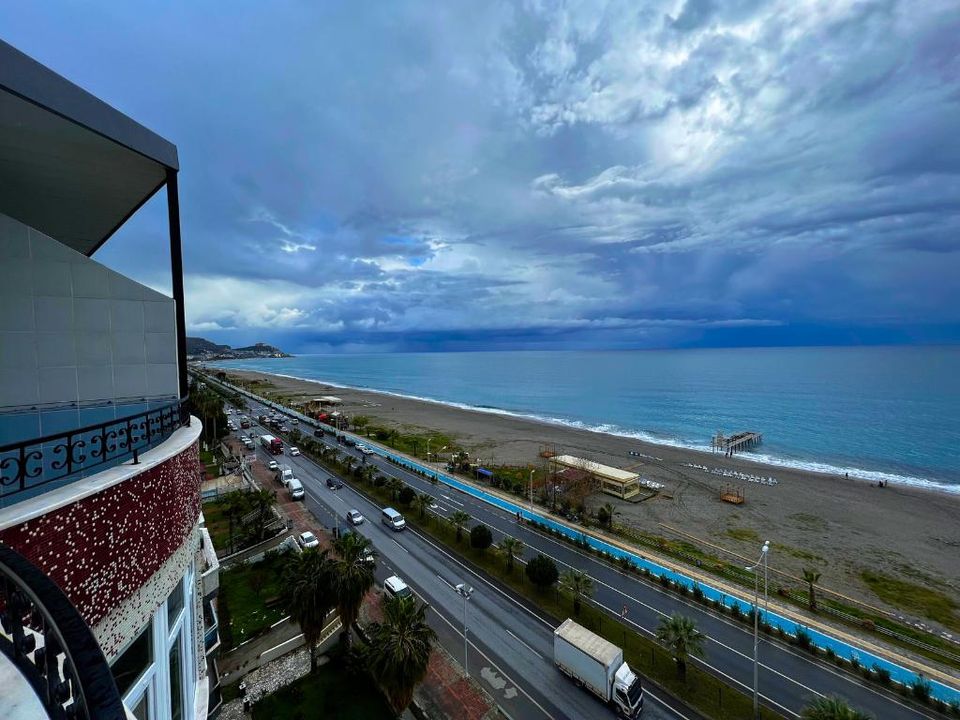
34, 463
45, 637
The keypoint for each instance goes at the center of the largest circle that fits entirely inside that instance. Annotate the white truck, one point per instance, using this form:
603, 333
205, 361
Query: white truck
284, 474
598, 665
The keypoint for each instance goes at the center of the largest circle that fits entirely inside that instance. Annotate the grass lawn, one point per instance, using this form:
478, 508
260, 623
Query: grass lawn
217, 525
331, 692
920, 599
249, 599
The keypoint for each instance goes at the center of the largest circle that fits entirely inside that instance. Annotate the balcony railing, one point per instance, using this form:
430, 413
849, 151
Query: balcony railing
42, 634
26, 467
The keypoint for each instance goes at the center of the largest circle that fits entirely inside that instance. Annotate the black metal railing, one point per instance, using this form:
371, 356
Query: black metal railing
54, 649
34, 463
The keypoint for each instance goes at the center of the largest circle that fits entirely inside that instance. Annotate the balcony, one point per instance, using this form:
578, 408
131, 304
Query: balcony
32, 467
211, 628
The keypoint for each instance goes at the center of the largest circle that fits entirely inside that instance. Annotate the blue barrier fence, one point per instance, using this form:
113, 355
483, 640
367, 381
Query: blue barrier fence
842, 649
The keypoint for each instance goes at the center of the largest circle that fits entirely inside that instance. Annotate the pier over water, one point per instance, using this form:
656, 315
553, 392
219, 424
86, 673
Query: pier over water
736, 442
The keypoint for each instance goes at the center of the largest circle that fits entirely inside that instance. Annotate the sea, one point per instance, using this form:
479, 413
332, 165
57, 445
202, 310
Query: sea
890, 413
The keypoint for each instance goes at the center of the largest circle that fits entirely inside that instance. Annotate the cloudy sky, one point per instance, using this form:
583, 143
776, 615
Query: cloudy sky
454, 175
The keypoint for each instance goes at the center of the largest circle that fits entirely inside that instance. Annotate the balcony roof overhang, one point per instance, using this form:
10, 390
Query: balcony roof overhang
71, 166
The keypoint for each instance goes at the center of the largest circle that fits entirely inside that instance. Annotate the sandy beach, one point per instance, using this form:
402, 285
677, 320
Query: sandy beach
839, 526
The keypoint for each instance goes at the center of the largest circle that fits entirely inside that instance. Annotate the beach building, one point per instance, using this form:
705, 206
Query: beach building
613, 481
107, 577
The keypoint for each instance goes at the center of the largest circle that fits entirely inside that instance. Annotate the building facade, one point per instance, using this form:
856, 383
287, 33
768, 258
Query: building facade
99, 456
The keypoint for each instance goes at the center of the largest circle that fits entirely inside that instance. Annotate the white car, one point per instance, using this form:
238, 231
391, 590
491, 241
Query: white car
308, 540
272, 465
294, 421
284, 429
364, 449
355, 517
294, 451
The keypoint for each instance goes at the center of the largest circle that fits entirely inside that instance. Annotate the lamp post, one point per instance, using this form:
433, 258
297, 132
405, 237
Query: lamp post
531, 488
465, 592
764, 551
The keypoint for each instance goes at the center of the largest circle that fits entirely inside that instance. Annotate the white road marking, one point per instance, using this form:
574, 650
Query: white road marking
399, 546
515, 637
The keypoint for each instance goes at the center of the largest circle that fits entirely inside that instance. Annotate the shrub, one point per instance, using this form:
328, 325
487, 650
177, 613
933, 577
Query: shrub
406, 496
380, 481
802, 639
664, 580
831, 655
882, 674
697, 592
921, 689
542, 572
480, 537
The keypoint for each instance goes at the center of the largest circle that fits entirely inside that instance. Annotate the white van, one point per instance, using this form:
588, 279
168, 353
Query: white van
395, 587
296, 489
392, 519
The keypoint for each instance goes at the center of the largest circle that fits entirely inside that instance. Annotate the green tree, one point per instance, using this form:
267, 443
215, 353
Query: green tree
360, 422
309, 595
352, 579
261, 502
542, 572
235, 506
395, 485
458, 520
512, 548
423, 502
680, 636
831, 708
605, 515
399, 649
480, 537
579, 584
406, 496
811, 577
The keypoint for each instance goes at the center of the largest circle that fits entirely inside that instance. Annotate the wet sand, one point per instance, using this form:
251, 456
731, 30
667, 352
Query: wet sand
839, 526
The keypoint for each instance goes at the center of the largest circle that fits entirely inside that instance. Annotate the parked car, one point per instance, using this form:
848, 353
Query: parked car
355, 517
308, 540
272, 465
333, 483
296, 489
395, 587
294, 451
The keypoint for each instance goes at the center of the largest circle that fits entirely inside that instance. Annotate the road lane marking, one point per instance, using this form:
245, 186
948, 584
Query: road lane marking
515, 637
399, 545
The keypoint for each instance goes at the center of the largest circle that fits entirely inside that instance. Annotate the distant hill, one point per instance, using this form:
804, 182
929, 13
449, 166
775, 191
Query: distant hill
202, 349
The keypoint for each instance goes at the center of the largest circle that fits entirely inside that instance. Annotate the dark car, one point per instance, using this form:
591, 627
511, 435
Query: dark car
349, 442
318, 433
333, 483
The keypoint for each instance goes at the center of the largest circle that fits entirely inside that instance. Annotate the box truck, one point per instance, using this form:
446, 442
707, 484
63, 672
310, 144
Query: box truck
271, 444
597, 664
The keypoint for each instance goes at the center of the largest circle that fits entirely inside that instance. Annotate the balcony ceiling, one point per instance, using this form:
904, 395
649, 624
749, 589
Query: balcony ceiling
71, 166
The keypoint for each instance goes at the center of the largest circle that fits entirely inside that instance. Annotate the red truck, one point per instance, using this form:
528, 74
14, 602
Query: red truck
271, 444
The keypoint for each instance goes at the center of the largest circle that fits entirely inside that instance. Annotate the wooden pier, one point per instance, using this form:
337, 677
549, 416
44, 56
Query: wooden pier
736, 442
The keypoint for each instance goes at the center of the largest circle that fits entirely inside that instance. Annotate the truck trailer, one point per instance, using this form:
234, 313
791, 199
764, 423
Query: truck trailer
271, 444
597, 664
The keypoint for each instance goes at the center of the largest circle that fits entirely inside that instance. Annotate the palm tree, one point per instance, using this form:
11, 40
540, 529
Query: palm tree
832, 708
423, 502
352, 578
680, 636
605, 515
578, 583
309, 595
395, 485
262, 502
458, 520
511, 547
399, 649
811, 577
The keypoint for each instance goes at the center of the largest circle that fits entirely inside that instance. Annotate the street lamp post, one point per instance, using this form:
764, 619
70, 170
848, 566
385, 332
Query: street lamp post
531, 488
465, 592
764, 551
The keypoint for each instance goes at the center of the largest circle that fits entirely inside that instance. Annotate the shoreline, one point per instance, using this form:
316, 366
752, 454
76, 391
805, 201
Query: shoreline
761, 461
838, 526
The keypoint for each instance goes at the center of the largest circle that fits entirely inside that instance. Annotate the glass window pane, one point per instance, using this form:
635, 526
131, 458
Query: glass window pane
176, 683
141, 709
134, 660
175, 603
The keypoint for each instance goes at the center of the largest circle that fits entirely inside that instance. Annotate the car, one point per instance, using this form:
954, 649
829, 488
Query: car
284, 429
308, 540
272, 465
395, 587
294, 451
366, 450
294, 421
318, 432
333, 483
349, 442
355, 517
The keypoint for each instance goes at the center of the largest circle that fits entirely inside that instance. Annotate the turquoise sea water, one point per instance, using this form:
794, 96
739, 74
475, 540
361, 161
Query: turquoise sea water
873, 412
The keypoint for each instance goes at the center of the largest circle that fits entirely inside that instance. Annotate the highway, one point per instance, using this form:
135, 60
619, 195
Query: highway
788, 678
510, 647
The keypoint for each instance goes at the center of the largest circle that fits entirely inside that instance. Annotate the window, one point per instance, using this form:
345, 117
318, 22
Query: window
175, 604
141, 709
134, 660
176, 682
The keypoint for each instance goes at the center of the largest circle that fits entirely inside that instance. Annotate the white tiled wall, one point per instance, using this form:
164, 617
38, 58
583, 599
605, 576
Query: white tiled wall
73, 333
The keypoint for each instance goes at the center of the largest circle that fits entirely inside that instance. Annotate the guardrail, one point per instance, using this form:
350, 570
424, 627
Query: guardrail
842, 649
27, 466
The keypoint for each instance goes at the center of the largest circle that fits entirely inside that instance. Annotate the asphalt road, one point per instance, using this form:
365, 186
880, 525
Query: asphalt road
788, 679
510, 649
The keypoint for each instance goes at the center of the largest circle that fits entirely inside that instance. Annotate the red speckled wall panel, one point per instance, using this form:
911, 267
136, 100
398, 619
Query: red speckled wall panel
100, 549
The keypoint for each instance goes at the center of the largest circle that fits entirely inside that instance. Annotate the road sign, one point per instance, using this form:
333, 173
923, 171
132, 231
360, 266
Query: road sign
249, 459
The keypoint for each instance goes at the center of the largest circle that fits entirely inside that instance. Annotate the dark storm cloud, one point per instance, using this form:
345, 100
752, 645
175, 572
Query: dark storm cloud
461, 175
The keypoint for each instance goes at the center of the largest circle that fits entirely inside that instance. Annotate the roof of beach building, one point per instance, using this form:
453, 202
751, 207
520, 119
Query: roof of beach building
594, 468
